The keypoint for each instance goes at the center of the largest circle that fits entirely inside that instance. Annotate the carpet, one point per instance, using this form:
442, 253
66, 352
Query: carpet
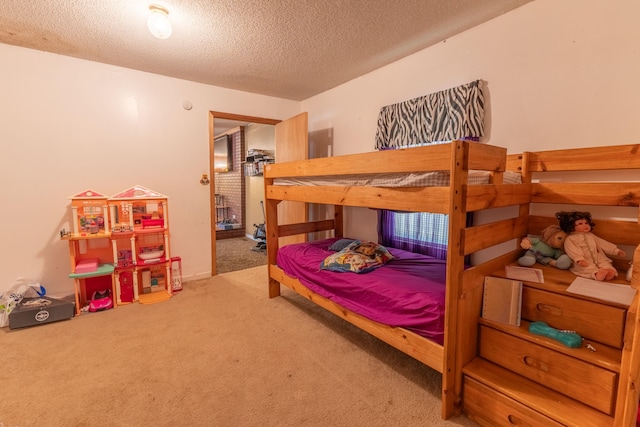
218, 353
238, 254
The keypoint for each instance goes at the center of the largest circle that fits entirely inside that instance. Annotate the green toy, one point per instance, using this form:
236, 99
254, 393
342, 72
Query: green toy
546, 250
570, 339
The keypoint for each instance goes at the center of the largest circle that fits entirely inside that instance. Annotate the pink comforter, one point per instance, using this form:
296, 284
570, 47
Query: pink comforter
408, 291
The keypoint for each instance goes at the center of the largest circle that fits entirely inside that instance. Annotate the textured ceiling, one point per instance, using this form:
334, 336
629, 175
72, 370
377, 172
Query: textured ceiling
291, 49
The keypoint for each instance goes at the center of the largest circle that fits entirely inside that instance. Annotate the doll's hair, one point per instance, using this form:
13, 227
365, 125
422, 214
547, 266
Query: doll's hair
568, 220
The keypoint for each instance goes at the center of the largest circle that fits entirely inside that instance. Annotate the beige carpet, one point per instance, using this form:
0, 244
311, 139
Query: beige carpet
219, 353
238, 254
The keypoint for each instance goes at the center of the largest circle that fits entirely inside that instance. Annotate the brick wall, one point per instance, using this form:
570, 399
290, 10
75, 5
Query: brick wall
230, 185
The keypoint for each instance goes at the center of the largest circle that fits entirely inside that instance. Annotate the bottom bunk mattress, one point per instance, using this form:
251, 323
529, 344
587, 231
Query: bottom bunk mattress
408, 291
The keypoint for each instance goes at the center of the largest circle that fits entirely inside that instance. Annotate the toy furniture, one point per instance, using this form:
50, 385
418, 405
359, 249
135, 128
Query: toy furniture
121, 244
498, 375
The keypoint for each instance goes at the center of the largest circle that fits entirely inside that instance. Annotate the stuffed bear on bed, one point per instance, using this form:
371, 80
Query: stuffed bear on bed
547, 250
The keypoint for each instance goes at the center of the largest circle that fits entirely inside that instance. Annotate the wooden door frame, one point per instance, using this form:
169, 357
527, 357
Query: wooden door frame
212, 186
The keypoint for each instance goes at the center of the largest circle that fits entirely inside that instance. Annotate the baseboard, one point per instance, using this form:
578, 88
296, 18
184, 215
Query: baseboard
197, 276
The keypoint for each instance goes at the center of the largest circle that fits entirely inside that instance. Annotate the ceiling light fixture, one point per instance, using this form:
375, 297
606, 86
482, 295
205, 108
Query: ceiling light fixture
158, 21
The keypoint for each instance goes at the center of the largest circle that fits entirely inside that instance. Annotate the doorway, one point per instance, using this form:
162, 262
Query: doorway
220, 122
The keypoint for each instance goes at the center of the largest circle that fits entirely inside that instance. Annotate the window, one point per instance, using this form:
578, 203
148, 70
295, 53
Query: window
420, 232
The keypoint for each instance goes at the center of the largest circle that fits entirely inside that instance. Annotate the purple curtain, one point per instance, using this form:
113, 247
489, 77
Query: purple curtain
419, 232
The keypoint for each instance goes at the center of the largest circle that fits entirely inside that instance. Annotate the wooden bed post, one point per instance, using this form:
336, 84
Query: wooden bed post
525, 173
451, 373
627, 398
271, 229
338, 217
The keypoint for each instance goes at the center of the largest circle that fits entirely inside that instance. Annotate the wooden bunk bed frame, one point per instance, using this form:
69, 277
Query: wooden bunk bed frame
456, 200
463, 286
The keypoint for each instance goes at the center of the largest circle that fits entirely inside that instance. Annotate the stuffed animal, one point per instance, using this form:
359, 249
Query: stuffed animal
547, 250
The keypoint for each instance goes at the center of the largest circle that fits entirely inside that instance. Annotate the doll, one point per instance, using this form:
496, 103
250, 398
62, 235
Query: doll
547, 250
588, 251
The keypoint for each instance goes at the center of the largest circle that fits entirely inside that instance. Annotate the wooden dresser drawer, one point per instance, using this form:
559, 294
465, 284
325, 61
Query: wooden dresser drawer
487, 407
587, 383
591, 320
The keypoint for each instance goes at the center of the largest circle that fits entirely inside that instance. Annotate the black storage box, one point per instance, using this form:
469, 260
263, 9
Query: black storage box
37, 311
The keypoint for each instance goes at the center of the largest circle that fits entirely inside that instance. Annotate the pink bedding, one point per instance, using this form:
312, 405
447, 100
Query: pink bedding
408, 291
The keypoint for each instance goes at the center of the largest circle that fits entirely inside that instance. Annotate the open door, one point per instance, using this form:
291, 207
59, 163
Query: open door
292, 143
213, 115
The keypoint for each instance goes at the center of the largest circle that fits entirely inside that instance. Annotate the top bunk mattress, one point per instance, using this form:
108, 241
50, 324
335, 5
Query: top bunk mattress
407, 292
424, 179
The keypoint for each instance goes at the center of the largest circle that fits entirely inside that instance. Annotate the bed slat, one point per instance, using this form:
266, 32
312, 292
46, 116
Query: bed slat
486, 157
620, 232
414, 199
605, 194
415, 159
305, 227
494, 196
482, 236
588, 158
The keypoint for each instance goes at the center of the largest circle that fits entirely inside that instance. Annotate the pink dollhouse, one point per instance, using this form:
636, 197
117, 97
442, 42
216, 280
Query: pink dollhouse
120, 245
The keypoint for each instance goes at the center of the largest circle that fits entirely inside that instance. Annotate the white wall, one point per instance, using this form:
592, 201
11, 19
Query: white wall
559, 74
68, 125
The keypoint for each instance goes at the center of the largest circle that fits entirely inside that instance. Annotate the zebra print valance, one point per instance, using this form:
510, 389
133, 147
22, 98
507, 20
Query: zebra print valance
442, 116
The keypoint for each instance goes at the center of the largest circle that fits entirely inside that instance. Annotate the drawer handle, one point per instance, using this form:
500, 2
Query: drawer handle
535, 363
544, 308
517, 421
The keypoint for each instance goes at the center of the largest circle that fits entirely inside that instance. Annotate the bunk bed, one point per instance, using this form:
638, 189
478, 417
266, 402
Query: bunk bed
454, 196
456, 355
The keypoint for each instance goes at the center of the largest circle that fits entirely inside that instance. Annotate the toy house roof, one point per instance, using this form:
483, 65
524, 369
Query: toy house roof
138, 192
89, 194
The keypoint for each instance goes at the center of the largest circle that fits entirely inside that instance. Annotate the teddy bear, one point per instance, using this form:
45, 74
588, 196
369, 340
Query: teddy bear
547, 250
